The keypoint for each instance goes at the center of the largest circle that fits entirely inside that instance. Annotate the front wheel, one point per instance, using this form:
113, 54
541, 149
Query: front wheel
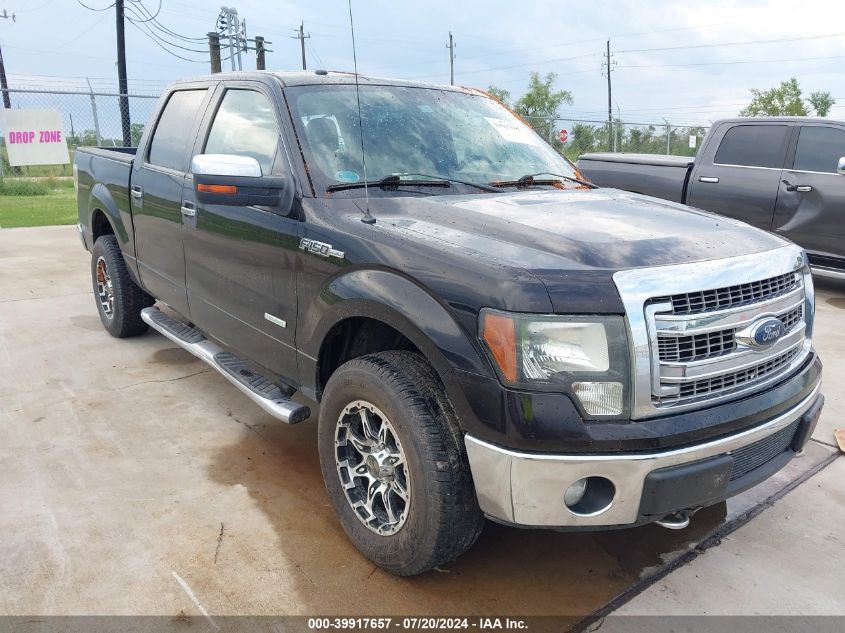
394, 463
119, 299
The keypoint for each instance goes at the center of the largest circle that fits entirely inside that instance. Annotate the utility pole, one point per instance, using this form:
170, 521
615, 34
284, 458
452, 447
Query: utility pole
259, 53
7, 102
608, 68
451, 47
300, 35
214, 52
668, 137
122, 84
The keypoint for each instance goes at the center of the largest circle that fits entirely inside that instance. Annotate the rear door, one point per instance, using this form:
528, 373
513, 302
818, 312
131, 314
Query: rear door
811, 203
241, 260
156, 192
739, 172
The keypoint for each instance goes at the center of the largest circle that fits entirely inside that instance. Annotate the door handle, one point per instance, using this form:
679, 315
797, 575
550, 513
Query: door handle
710, 179
137, 192
798, 188
189, 209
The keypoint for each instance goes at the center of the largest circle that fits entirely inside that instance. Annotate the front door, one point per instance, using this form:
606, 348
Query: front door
811, 202
739, 174
241, 260
156, 191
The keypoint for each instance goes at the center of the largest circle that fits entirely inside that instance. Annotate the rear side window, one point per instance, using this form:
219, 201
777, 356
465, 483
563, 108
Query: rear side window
753, 146
819, 148
245, 125
171, 141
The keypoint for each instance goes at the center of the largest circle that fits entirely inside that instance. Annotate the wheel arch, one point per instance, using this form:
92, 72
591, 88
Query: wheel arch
404, 310
103, 207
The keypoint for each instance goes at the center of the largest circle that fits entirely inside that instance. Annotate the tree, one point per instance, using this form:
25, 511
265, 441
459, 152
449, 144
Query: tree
500, 93
137, 131
538, 106
822, 102
787, 100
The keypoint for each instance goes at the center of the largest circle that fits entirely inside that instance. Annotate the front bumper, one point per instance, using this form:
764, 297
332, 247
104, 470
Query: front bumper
527, 489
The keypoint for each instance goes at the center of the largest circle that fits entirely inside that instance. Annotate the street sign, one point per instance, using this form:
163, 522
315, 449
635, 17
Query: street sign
693, 141
564, 136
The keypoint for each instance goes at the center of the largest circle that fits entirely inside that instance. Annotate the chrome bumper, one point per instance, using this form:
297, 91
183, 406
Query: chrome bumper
528, 488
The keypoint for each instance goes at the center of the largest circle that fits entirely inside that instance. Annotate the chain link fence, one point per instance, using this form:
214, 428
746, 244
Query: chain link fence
88, 118
586, 135
94, 117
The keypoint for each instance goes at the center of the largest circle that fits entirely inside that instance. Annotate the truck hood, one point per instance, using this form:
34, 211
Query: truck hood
571, 230
571, 239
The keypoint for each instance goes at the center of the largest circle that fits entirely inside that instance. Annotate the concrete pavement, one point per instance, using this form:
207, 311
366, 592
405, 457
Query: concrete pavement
135, 480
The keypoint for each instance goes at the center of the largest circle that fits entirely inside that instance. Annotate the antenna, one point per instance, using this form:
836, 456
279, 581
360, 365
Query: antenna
367, 219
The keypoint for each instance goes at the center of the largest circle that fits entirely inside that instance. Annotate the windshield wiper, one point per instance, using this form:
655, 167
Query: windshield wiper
529, 179
394, 181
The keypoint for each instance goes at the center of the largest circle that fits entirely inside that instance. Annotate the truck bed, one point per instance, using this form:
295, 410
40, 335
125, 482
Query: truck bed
653, 175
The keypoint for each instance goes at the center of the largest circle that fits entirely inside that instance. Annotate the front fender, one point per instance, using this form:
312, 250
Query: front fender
400, 303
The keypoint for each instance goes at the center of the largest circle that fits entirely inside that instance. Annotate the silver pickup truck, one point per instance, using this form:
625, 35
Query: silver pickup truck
781, 174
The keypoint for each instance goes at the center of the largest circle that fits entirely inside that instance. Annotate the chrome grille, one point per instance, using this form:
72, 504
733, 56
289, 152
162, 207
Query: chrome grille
732, 296
693, 327
697, 347
731, 380
711, 344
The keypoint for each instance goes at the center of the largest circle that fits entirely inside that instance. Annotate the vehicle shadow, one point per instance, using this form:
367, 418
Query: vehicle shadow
508, 572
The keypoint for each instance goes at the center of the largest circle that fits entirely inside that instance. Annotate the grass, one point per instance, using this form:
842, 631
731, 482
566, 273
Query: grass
37, 203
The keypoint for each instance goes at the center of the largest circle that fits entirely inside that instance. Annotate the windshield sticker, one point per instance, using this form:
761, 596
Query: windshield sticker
512, 131
347, 176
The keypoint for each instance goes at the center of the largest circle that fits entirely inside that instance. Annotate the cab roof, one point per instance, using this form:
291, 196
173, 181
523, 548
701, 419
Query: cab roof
322, 77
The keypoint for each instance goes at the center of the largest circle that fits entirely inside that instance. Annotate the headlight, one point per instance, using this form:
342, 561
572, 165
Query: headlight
585, 356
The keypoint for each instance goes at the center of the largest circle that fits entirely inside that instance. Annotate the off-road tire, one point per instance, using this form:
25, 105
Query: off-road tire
128, 298
443, 518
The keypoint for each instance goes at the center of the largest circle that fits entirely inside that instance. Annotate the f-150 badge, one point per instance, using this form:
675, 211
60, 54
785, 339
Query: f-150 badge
319, 248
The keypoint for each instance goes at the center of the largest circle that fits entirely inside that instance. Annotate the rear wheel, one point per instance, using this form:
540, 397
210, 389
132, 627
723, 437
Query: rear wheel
394, 464
119, 299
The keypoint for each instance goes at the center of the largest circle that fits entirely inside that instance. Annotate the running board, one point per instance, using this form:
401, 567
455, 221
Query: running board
268, 395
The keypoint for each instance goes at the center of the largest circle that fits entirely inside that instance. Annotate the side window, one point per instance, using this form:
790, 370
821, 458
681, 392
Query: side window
753, 146
245, 125
168, 147
819, 148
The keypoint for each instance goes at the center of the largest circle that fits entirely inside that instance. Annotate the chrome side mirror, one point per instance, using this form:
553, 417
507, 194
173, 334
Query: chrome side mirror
225, 165
840, 168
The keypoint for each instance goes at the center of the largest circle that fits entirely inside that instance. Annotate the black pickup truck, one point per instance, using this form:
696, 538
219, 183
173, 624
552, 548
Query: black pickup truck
483, 332
781, 174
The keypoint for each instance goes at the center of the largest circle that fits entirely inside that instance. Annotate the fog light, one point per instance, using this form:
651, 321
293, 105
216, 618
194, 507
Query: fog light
575, 493
600, 398
589, 496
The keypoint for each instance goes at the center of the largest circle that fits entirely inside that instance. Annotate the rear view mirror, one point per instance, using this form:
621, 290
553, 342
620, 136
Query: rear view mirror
234, 180
840, 169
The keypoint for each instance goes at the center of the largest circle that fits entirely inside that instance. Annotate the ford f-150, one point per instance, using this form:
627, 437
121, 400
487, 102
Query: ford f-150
479, 331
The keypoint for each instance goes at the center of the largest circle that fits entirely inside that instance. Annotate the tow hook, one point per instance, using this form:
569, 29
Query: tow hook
675, 521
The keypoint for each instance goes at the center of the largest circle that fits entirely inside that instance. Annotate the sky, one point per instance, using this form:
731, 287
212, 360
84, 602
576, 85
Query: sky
685, 62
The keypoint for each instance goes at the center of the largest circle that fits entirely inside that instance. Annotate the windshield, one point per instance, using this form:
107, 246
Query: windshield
430, 131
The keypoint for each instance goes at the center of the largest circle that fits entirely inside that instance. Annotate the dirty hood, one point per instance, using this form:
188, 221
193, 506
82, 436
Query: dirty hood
567, 237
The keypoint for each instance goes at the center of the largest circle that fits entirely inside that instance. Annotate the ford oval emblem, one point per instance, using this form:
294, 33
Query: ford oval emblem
767, 332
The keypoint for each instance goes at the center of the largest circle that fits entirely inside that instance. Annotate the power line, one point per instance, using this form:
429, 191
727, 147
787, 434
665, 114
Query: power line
95, 8
735, 62
153, 21
143, 27
140, 4
164, 48
779, 40
80, 34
